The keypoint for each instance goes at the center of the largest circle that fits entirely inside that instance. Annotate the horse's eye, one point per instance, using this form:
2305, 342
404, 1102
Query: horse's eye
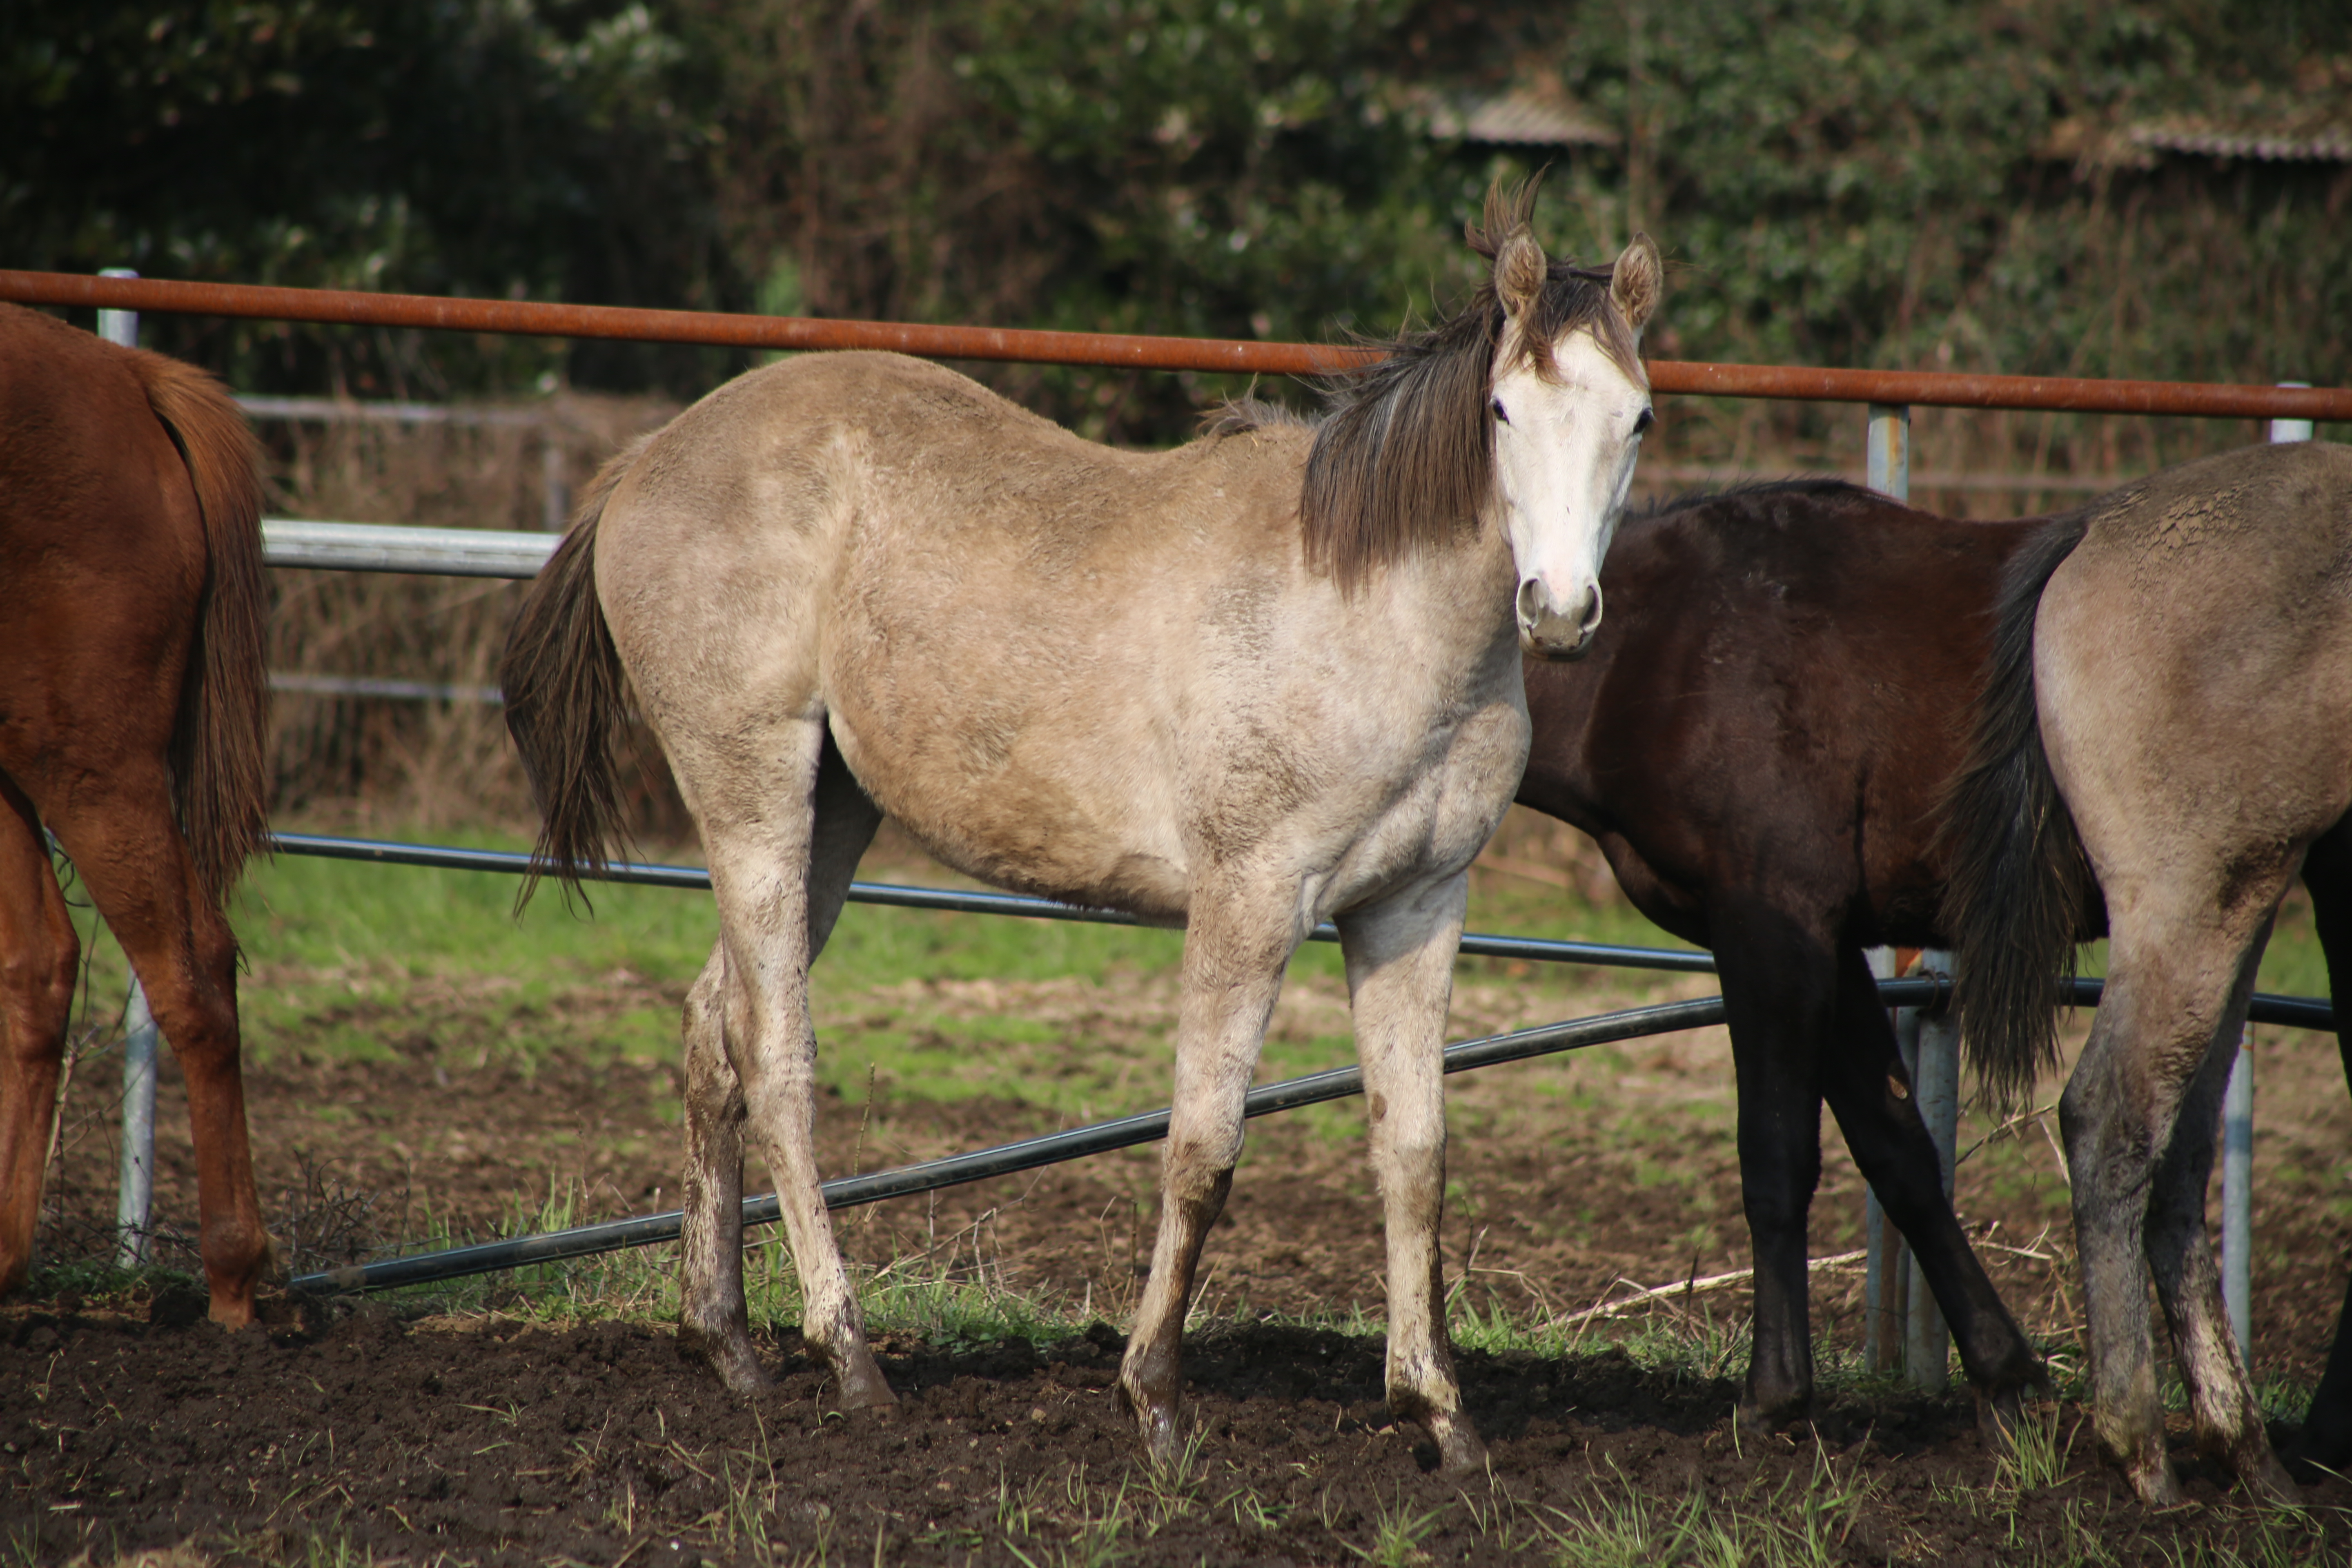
1500, 416
1642, 425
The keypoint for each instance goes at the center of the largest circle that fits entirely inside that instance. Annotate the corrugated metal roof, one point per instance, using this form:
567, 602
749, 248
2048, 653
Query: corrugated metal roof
2322, 136
2318, 139
1520, 119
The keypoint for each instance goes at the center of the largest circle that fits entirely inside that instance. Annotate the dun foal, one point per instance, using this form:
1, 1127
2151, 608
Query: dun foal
2168, 725
1267, 679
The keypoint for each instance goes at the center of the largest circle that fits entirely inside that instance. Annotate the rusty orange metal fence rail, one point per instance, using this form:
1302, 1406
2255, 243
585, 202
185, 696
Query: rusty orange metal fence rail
1924, 388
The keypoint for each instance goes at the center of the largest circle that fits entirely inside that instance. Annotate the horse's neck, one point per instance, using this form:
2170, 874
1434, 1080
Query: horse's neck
1465, 583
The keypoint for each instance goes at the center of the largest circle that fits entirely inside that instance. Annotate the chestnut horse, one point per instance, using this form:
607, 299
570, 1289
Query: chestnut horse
1265, 679
2169, 725
132, 706
1757, 740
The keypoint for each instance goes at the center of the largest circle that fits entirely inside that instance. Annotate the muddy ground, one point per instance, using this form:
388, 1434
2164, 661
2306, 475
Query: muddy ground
494, 1433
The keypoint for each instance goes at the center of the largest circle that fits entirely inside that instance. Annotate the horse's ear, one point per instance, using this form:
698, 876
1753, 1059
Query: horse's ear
1638, 281
1520, 272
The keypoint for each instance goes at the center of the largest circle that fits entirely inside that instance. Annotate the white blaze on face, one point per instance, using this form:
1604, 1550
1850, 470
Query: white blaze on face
1564, 450
1567, 426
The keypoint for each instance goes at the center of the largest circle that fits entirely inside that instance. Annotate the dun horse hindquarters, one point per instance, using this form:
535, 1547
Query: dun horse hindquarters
1757, 740
131, 706
1265, 679
2188, 666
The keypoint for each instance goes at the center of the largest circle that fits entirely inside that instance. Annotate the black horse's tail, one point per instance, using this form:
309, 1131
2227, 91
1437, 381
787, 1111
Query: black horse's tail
2020, 886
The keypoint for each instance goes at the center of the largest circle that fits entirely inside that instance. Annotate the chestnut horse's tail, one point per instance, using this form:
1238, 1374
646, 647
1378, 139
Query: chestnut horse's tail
219, 758
2019, 887
566, 702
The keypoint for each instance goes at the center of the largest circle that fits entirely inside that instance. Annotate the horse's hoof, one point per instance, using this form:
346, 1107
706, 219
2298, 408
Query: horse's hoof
863, 1386
2001, 1416
2263, 1476
234, 1313
2155, 1483
2308, 1461
728, 1355
1758, 1420
1155, 1422
1459, 1451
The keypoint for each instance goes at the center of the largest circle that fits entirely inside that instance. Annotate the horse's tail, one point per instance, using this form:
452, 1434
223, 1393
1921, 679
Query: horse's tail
566, 702
220, 779
2020, 884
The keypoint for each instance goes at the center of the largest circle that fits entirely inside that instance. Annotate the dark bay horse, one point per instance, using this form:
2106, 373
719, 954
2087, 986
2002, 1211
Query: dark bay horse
1265, 679
1757, 740
132, 706
2168, 724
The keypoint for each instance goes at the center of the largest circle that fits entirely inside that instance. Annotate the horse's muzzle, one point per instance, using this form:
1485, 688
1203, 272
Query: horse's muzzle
1548, 633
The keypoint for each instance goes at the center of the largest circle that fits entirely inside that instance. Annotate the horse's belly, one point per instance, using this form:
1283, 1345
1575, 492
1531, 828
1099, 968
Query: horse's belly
1063, 811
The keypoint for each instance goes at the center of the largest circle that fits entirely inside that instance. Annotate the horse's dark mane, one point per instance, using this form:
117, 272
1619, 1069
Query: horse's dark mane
1405, 456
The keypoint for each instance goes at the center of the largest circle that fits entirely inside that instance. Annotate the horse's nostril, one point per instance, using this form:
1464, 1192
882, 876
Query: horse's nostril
1590, 622
1530, 602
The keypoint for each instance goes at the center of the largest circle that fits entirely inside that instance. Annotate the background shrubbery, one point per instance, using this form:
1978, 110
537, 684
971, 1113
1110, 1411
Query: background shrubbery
1893, 183
1852, 181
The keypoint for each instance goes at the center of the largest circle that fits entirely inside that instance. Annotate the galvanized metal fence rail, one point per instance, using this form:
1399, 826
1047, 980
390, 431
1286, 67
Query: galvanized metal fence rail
1904, 1327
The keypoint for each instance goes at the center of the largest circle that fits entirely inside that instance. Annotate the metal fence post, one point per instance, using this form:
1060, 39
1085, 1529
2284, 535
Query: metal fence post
1886, 1278
2237, 1197
134, 1204
1936, 1087
1888, 458
2238, 1117
135, 1198
119, 326
1930, 1054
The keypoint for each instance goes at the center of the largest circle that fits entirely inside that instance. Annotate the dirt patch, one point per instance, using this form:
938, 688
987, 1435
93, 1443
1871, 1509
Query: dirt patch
485, 1438
487, 1441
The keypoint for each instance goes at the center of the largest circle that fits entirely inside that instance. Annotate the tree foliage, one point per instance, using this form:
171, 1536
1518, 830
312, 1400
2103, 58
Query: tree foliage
1836, 181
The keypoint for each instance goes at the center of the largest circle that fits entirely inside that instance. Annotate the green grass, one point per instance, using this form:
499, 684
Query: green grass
338, 949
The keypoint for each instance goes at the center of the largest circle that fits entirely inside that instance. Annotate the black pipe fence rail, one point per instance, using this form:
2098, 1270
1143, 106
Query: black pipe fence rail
384, 852
1030, 1153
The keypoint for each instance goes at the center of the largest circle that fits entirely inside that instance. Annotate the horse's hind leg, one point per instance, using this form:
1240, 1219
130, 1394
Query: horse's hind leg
2175, 984
38, 956
1400, 979
120, 831
2325, 1441
2229, 1422
763, 856
1864, 1080
1237, 941
715, 1322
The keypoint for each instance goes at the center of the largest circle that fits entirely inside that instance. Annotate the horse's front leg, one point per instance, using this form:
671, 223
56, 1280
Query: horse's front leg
1400, 982
1237, 941
1780, 978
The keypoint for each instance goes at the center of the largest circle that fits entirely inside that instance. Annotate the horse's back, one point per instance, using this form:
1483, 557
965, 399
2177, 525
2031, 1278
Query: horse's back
2193, 655
870, 427
90, 480
101, 537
